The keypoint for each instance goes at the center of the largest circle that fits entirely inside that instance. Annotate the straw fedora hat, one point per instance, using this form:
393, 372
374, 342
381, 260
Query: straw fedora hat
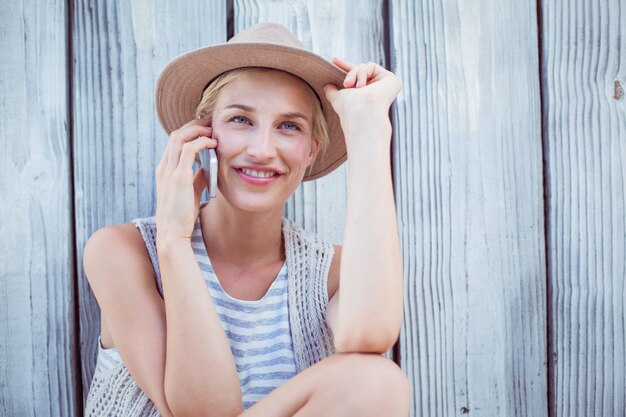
183, 80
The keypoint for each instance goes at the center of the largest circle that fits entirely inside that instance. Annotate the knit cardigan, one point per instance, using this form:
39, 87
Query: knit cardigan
115, 392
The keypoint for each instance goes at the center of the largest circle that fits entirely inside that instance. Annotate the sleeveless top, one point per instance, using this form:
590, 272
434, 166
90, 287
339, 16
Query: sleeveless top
271, 339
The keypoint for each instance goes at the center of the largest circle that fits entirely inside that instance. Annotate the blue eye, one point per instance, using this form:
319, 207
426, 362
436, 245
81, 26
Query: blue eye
240, 119
291, 126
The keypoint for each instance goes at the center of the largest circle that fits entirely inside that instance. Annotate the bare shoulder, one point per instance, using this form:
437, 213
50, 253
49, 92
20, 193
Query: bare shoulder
116, 252
120, 274
125, 233
333, 273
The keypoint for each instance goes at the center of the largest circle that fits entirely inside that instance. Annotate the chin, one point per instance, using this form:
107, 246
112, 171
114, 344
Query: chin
256, 202
272, 198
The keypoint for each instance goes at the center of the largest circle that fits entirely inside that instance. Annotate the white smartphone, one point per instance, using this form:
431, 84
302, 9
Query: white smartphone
208, 160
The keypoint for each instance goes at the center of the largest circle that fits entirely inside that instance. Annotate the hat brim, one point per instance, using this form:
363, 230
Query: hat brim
182, 82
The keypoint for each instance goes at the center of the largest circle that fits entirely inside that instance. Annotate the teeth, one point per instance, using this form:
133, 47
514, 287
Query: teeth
258, 174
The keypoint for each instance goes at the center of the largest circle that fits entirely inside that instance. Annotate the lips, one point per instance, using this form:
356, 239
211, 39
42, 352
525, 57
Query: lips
258, 175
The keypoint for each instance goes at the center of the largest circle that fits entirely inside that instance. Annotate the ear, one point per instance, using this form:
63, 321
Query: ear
315, 148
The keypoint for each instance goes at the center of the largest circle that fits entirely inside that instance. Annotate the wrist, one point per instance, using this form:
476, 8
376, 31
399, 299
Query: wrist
366, 142
169, 245
365, 129
366, 118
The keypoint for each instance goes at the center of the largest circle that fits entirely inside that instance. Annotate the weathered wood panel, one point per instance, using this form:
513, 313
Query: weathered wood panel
119, 49
349, 30
468, 177
584, 73
38, 353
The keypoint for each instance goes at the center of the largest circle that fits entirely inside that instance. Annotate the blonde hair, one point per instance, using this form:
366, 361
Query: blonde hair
319, 128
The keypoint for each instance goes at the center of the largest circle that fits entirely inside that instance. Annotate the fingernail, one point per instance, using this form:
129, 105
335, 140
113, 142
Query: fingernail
201, 116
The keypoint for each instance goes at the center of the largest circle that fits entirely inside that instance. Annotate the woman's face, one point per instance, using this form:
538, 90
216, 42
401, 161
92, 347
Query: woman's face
263, 122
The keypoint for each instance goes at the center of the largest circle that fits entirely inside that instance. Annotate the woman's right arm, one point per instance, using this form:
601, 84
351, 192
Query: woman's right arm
121, 276
181, 359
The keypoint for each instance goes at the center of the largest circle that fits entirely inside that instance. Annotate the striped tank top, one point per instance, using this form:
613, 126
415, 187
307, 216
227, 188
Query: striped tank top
258, 331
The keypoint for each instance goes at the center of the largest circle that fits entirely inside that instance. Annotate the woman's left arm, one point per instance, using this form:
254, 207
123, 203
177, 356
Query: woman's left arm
365, 313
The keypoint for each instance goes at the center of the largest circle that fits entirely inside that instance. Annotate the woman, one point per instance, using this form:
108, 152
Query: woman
226, 308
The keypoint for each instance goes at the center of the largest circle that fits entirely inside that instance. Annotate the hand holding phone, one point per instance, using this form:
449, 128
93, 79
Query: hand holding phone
208, 160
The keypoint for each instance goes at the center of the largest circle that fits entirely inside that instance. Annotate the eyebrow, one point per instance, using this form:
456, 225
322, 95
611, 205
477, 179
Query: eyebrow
290, 115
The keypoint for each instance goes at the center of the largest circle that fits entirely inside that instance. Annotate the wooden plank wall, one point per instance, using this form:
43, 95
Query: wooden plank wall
468, 175
497, 98
39, 361
584, 71
119, 49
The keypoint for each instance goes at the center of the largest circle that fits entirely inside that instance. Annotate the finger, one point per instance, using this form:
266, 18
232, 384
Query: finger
181, 136
202, 117
199, 184
190, 128
344, 65
198, 121
330, 90
201, 120
191, 149
350, 79
365, 73
361, 77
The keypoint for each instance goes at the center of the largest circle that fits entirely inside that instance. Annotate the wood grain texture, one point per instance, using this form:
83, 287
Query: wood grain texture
350, 30
38, 366
119, 49
468, 177
584, 69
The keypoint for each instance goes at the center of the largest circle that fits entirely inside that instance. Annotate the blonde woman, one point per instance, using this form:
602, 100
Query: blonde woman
227, 308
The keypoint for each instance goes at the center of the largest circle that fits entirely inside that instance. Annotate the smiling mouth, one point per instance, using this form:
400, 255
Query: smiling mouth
257, 174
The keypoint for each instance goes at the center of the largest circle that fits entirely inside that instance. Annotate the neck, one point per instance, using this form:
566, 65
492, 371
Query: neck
242, 238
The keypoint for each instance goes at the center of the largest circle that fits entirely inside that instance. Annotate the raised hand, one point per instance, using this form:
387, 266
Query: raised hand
178, 190
368, 91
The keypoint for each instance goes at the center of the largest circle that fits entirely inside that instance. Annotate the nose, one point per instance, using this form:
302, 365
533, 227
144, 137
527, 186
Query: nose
262, 147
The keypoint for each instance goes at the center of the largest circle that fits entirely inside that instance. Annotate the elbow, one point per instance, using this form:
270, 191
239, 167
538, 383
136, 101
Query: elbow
183, 402
367, 338
186, 409
370, 332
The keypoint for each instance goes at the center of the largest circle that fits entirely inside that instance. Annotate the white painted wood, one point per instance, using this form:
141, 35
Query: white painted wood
39, 372
347, 29
468, 177
584, 72
119, 49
